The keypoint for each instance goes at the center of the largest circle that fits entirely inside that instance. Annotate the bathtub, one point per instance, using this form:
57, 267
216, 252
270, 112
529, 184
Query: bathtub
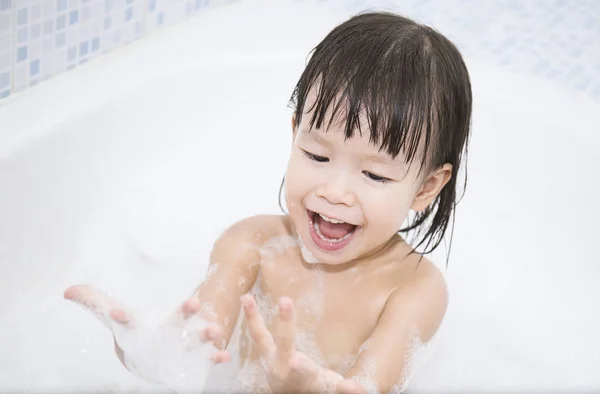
123, 172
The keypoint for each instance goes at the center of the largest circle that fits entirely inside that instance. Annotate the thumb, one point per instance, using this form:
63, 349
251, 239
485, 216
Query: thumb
303, 365
106, 308
348, 386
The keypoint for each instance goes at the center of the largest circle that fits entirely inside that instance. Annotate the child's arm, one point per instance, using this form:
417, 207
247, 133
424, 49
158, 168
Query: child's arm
411, 313
232, 272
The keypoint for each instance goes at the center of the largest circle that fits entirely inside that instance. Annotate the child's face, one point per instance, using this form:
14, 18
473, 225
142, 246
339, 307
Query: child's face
353, 182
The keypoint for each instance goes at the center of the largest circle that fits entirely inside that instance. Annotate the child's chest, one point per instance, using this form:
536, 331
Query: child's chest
335, 312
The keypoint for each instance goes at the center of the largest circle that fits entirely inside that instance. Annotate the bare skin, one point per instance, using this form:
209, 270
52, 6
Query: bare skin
347, 324
383, 300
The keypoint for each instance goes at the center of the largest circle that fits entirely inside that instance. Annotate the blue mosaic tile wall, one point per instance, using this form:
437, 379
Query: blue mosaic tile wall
558, 40
40, 38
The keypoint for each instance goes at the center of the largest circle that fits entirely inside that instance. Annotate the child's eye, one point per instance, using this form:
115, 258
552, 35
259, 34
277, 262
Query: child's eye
319, 159
376, 178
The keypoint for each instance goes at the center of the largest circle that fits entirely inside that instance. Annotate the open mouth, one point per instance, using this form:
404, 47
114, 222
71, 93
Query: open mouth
329, 233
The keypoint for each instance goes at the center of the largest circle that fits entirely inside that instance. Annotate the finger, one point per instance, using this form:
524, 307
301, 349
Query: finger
259, 332
285, 333
189, 308
308, 375
103, 306
120, 316
348, 386
221, 357
186, 310
212, 332
301, 364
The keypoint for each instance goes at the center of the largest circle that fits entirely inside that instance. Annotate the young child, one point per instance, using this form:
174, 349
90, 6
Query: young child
333, 298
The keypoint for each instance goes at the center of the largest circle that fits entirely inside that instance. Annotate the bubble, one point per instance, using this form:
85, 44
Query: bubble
307, 256
221, 287
171, 355
366, 377
212, 269
416, 356
208, 309
277, 245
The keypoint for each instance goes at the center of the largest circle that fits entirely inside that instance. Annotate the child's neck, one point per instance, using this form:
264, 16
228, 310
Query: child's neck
373, 259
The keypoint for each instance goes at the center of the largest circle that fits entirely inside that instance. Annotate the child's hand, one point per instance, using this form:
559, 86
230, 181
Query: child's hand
159, 353
289, 370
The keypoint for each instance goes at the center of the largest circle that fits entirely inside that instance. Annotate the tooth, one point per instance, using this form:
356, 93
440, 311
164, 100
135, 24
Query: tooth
331, 220
324, 217
324, 238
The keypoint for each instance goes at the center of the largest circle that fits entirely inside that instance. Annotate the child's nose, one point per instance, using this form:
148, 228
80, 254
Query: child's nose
336, 192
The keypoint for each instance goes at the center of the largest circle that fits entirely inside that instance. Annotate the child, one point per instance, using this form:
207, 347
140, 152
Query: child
334, 299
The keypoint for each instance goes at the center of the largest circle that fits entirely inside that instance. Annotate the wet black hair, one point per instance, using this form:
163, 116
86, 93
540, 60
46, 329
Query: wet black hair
411, 87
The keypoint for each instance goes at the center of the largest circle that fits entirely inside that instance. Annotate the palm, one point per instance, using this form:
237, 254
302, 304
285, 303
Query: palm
166, 352
289, 370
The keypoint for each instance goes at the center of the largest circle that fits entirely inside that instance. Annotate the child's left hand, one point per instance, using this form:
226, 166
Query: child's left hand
289, 370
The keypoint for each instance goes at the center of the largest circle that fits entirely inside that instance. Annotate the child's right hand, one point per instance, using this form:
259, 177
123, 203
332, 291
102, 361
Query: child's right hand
157, 353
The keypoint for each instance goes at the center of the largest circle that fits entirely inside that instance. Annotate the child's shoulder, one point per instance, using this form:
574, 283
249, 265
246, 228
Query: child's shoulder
423, 291
240, 244
424, 269
258, 229
411, 265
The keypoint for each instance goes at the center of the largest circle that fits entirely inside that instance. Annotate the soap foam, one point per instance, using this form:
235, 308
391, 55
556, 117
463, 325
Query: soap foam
167, 352
308, 257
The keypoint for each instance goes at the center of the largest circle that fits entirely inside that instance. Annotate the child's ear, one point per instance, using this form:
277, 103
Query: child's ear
431, 187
